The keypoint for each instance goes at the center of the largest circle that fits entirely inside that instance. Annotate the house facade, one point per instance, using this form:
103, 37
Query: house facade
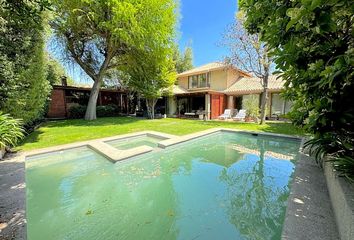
63, 97
211, 88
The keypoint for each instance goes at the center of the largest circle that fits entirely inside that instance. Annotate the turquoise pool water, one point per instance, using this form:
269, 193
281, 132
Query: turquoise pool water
132, 142
221, 186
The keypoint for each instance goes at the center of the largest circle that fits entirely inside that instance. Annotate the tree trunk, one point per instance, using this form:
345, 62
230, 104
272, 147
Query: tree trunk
128, 102
264, 99
150, 104
91, 106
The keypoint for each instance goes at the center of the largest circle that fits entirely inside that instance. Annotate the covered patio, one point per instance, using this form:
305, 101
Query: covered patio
193, 105
199, 104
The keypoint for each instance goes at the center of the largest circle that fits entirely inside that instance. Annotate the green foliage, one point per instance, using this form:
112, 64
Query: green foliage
102, 36
55, 72
23, 85
78, 111
150, 74
183, 61
151, 70
312, 43
11, 131
107, 111
251, 104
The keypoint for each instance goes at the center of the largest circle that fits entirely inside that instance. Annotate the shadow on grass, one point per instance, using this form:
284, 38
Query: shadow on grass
98, 122
33, 137
30, 138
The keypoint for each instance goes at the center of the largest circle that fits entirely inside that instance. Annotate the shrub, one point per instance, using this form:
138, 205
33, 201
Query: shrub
77, 111
107, 111
11, 130
251, 104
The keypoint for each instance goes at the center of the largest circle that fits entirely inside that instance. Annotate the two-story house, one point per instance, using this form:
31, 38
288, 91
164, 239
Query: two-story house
213, 87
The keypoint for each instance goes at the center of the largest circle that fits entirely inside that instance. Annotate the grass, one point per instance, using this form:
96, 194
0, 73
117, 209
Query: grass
67, 131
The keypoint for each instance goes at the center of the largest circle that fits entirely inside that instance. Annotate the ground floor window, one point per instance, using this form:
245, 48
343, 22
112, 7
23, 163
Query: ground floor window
279, 105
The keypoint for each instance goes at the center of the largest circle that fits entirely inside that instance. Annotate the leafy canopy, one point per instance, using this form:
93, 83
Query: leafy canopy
24, 88
106, 35
312, 43
183, 60
107, 30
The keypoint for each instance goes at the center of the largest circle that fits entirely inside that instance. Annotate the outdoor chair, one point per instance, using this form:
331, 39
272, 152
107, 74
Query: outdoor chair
240, 116
226, 114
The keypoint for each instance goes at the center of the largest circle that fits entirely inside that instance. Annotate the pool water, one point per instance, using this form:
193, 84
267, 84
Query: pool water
132, 142
221, 186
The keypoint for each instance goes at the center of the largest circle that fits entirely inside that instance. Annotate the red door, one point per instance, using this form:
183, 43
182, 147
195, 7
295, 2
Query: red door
217, 105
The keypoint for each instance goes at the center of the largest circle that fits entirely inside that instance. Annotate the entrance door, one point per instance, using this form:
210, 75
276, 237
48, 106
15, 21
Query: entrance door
217, 105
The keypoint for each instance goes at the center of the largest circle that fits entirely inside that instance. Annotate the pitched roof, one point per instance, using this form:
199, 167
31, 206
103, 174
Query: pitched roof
178, 90
209, 67
253, 85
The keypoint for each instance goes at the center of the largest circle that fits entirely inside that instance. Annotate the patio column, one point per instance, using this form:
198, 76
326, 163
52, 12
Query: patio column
230, 102
207, 106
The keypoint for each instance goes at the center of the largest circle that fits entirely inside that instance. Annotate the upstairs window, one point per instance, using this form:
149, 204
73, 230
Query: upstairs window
199, 81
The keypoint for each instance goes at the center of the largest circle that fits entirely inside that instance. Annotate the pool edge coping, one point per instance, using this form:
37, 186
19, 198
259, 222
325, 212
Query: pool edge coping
168, 141
101, 146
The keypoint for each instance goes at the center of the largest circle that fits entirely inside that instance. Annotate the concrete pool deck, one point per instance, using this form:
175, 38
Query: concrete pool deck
309, 213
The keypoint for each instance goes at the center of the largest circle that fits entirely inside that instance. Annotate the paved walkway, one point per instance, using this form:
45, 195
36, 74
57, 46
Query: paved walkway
12, 198
309, 214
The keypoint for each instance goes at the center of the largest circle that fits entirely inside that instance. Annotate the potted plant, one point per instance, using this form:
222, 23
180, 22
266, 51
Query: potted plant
11, 132
251, 104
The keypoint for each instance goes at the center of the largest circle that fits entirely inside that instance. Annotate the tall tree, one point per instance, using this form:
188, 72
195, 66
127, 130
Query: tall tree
251, 55
312, 44
151, 75
24, 88
99, 34
183, 61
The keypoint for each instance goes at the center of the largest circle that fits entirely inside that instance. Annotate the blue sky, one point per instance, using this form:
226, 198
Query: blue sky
202, 24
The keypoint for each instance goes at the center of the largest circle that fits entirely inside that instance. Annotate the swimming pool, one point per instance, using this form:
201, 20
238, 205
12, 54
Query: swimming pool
220, 186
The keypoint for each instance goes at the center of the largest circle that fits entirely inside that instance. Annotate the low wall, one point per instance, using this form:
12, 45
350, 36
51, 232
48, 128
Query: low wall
342, 197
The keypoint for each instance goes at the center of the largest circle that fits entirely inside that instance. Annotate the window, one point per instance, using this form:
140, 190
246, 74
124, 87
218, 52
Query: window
199, 81
279, 105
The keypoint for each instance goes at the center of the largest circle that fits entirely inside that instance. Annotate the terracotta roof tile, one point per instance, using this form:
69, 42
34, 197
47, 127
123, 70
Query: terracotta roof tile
253, 85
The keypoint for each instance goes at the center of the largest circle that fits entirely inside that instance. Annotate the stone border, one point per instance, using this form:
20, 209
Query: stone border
102, 147
309, 212
185, 138
341, 193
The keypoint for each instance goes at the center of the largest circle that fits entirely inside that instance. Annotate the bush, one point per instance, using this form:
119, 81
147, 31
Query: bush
251, 104
79, 111
11, 131
107, 111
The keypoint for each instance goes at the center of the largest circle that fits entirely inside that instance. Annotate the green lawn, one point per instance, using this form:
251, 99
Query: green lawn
68, 131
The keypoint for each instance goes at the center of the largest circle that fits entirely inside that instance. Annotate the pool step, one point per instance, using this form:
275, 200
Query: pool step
115, 155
